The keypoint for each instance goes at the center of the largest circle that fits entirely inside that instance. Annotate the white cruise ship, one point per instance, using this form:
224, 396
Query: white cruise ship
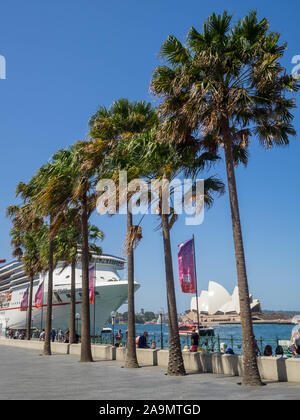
110, 292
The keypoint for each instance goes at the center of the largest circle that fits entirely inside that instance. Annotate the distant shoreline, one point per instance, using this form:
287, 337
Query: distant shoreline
234, 319
271, 321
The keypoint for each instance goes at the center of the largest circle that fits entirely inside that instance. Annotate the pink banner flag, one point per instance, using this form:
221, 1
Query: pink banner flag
38, 299
187, 267
91, 285
24, 301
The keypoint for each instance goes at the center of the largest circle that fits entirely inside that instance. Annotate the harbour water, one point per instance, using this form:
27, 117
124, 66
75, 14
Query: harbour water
228, 334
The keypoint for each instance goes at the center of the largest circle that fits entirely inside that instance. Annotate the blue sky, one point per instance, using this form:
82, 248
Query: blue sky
65, 59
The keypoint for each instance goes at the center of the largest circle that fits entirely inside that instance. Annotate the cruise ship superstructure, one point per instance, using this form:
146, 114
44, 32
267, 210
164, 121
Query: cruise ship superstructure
110, 292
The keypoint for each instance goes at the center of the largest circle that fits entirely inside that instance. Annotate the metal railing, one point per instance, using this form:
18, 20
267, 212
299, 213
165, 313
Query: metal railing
207, 343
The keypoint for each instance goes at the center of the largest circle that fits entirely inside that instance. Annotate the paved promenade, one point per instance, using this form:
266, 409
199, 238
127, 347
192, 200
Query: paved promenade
26, 374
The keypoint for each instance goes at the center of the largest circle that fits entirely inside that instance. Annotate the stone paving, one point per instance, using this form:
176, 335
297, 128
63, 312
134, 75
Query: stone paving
26, 374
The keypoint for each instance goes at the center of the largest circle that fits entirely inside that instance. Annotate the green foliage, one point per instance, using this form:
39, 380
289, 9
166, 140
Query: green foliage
149, 316
226, 73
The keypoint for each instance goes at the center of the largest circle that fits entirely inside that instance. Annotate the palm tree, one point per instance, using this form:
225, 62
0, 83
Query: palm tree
65, 183
116, 124
60, 185
66, 249
227, 85
83, 194
48, 193
27, 234
159, 160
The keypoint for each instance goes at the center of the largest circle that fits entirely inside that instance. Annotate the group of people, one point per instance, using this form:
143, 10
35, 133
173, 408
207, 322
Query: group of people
141, 340
294, 348
18, 334
268, 351
59, 336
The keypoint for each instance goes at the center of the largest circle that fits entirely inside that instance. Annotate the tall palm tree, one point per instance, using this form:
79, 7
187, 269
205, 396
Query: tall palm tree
66, 250
27, 234
48, 193
84, 194
59, 185
227, 85
116, 124
160, 161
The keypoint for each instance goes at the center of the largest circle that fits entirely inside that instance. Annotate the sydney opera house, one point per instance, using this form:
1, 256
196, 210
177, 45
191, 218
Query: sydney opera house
218, 301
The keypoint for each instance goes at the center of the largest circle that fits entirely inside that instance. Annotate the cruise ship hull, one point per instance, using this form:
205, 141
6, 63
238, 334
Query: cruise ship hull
108, 298
110, 292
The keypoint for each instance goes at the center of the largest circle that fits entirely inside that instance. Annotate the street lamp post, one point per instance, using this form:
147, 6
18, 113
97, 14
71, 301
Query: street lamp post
161, 311
113, 316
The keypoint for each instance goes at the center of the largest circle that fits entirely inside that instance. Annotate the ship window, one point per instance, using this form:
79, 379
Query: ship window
68, 295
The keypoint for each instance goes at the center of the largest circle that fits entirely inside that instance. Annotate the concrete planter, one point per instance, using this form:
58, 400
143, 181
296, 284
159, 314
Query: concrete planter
147, 357
103, 352
120, 353
192, 361
75, 349
31, 344
206, 362
99, 352
230, 363
291, 372
217, 363
267, 367
60, 348
163, 358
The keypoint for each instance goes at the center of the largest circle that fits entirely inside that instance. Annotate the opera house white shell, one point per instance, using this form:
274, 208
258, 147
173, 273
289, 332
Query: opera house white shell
217, 300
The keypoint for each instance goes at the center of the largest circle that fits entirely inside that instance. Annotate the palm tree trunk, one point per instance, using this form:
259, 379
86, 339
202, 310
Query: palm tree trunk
131, 359
47, 343
250, 369
175, 365
72, 335
86, 351
29, 311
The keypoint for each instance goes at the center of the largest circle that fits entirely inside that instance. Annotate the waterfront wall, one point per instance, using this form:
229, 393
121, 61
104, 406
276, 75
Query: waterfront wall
270, 368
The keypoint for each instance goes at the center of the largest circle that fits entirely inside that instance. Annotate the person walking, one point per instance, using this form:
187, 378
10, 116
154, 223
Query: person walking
60, 336
53, 335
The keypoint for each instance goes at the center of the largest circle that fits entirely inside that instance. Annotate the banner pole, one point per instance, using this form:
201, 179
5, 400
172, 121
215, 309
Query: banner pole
94, 303
195, 273
42, 307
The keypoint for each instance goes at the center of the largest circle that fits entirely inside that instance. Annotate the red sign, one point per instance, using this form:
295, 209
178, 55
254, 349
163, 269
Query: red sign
187, 267
24, 301
38, 299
